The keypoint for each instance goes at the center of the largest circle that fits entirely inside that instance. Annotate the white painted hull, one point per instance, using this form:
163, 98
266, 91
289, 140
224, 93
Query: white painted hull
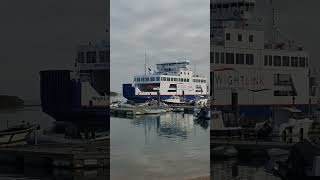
15, 137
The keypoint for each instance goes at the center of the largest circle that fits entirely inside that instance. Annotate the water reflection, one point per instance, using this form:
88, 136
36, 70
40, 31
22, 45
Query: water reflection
169, 124
164, 146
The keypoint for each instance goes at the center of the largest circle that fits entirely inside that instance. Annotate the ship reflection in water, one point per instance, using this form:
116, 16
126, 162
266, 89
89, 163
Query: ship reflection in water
166, 146
171, 125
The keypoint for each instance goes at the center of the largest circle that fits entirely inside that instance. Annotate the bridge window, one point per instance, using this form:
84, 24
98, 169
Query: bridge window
302, 62
266, 60
286, 61
240, 37
222, 58
217, 58
270, 60
229, 58
146, 79
251, 38
294, 62
158, 78
239, 58
103, 56
228, 36
249, 59
152, 78
91, 57
211, 58
277, 61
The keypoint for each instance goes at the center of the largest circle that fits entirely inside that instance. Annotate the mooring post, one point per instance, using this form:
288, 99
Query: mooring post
35, 136
235, 108
158, 94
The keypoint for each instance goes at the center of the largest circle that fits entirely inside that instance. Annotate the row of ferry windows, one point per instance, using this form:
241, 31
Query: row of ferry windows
147, 79
91, 56
228, 37
231, 58
285, 61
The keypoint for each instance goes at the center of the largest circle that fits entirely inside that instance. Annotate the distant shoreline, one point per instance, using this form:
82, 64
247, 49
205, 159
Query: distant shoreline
9, 102
32, 105
113, 94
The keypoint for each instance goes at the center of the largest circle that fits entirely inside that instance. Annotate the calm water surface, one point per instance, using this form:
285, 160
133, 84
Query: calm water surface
166, 146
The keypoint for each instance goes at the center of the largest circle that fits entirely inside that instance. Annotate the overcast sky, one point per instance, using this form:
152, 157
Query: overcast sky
42, 34
165, 30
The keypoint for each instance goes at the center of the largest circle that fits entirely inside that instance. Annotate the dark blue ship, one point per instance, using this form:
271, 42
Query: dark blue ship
82, 95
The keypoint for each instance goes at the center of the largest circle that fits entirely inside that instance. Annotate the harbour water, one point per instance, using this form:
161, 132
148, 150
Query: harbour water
35, 115
165, 146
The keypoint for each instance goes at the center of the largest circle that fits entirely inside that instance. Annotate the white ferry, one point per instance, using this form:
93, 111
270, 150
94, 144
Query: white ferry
169, 79
257, 62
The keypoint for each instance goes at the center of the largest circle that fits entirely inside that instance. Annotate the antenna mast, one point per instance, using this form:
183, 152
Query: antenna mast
274, 29
145, 63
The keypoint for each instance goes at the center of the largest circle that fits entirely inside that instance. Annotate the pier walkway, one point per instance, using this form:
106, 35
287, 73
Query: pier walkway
73, 156
249, 144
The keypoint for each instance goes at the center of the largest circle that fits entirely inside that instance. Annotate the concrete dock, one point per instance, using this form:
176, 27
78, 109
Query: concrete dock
131, 111
73, 156
249, 144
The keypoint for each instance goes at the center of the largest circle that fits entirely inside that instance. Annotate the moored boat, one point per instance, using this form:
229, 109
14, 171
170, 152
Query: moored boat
16, 135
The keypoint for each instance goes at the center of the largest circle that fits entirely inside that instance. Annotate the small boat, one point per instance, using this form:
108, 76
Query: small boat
115, 104
220, 125
174, 100
204, 113
224, 152
16, 135
303, 162
291, 124
153, 111
179, 109
48, 136
202, 101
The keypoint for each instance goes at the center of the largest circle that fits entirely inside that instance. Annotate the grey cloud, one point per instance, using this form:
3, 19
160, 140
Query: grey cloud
165, 30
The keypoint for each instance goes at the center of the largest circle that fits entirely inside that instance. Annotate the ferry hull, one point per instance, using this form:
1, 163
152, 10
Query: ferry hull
88, 116
129, 94
143, 99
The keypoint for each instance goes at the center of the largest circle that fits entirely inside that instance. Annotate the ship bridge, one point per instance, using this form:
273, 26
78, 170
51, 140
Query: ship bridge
93, 65
173, 66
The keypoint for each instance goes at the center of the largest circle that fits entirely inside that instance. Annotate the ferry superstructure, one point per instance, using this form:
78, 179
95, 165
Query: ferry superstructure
81, 94
265, 72
169, 79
